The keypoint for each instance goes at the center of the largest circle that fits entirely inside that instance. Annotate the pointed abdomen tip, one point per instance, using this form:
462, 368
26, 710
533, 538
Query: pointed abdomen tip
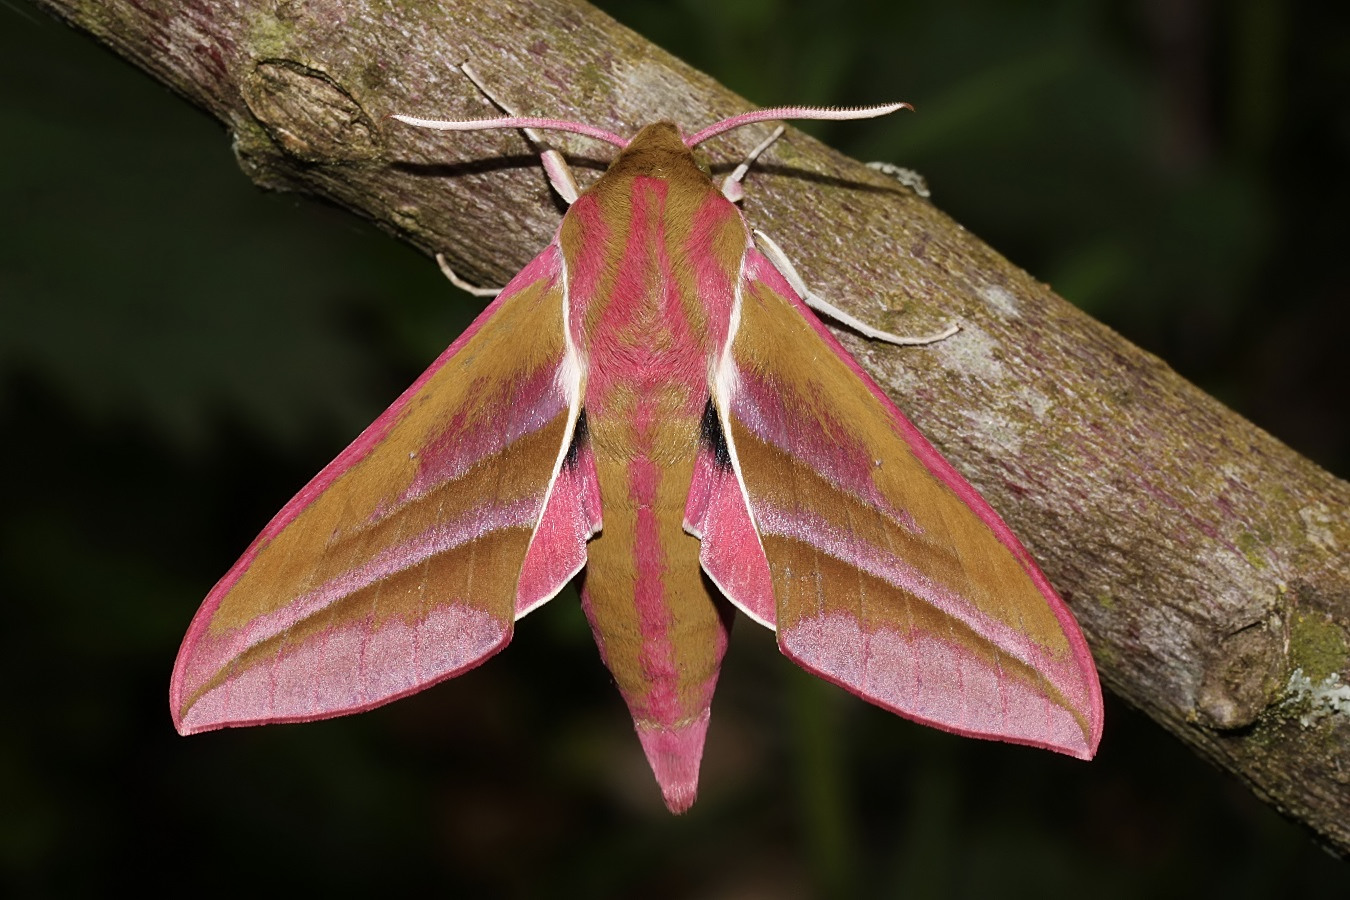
674, 755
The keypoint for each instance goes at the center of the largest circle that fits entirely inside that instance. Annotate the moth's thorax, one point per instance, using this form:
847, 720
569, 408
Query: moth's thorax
653, 252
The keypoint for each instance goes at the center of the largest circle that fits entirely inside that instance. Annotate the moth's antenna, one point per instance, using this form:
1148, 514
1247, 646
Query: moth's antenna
514, 122
792, 112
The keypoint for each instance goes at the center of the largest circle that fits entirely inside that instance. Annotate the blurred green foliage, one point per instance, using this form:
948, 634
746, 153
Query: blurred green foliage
180, 351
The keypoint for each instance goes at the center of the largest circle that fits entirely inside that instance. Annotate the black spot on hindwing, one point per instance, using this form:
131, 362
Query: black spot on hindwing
712, 436
581, 436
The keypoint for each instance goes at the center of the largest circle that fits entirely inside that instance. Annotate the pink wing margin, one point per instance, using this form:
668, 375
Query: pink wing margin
406, 560
827, 515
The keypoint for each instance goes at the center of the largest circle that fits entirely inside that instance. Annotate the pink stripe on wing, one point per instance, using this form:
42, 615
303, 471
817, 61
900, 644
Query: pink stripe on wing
815, 438
730, 550
925, 678
807, 527
351, 668
212, 653
558, 547
532, 404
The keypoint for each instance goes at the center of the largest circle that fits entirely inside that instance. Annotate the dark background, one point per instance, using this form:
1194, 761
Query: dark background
180, 351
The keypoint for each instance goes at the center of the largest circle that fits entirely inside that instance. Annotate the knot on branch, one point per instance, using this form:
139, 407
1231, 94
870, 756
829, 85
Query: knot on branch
1243, 676
308, 114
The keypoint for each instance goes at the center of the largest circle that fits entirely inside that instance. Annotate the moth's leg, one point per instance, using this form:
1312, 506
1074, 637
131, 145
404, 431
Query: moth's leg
560, 175
461, 283
731, 187
555, 167
735, 192
775, 255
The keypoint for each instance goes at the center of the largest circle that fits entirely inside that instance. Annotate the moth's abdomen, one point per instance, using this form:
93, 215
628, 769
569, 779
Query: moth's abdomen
652, 264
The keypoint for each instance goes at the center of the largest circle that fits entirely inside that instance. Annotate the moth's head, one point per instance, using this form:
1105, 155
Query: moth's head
659, 151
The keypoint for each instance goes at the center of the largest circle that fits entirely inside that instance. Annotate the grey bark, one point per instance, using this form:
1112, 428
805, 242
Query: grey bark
1206, 561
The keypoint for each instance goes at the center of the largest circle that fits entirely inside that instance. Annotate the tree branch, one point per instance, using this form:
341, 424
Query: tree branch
1205, 560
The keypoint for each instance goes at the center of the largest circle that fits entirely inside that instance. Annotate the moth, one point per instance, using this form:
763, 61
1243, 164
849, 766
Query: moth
649, 399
